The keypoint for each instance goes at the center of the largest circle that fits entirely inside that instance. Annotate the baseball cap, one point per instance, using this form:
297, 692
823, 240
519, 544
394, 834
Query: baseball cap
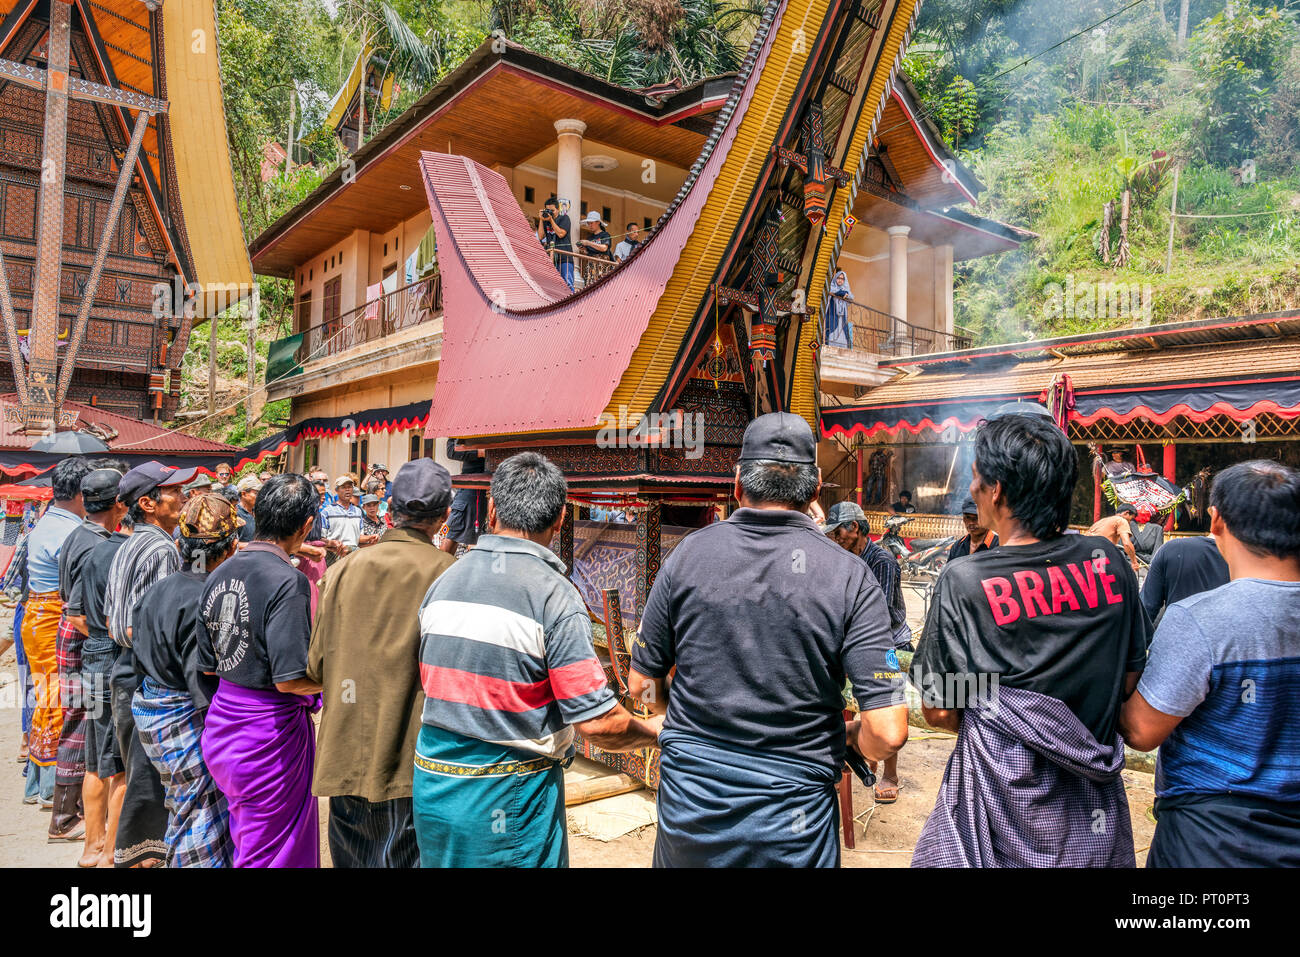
249, 483
100, 485
201, 481
841, 513
968, 507
144, 479
779, 437
421, 487
345, 479
209, 517
370, 500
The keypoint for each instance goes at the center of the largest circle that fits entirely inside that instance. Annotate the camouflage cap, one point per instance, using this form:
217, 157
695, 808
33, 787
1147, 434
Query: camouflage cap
209, 518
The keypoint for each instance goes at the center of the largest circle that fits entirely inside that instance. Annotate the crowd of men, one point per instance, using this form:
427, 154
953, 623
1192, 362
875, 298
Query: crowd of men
181, 635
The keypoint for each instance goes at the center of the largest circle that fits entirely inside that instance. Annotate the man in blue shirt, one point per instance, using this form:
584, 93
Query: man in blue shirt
1220, 695
42, 623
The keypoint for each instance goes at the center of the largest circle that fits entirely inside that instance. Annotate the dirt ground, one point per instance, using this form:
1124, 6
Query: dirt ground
884, 835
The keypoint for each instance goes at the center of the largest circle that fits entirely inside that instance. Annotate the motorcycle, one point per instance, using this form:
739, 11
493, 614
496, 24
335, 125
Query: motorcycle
925, 554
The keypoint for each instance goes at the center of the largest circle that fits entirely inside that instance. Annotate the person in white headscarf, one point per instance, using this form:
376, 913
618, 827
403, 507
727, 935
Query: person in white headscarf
839, 331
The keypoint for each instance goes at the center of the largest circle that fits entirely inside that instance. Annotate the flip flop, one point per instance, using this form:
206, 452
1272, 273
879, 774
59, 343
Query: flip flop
75, 835
887, 800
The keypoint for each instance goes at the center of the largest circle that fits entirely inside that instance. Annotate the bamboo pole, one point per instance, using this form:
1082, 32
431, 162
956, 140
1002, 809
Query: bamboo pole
1173, 221
594, 789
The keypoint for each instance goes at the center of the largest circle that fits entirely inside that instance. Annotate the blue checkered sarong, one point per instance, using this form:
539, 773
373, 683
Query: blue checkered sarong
198, 820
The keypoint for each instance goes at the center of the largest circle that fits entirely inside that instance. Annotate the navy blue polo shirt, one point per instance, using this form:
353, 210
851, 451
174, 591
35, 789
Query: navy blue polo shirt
764, 617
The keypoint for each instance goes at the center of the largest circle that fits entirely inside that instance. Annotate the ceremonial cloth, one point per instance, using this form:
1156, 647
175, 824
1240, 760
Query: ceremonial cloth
728, 806
260, 746
1027, 785
1225, 830
40, 638
479, 804
72, 733
198, 820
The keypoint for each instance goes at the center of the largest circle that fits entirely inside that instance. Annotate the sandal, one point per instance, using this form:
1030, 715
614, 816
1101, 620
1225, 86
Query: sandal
883, 793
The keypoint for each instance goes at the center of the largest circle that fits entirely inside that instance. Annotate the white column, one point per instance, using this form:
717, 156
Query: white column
898, 270
943, 318
568, 166
898, 273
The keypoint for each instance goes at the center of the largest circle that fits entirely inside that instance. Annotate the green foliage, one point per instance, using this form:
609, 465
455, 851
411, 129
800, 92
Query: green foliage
1238, 59
957, 111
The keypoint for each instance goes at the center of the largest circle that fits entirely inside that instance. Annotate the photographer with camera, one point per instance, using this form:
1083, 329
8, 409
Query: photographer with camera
554, 233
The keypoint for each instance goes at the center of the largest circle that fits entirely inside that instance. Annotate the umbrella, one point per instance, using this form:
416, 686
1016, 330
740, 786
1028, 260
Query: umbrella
69, 443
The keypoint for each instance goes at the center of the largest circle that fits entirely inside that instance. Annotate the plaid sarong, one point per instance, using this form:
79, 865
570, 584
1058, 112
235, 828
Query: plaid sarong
1027, 785
198, 820
72, 737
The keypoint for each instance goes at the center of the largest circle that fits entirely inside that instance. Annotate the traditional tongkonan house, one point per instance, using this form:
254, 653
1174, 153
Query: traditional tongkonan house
367, 341
118, 223
1186, 399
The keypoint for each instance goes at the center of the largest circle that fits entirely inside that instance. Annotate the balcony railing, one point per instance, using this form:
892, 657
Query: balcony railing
586, 269
400, 309
878, 333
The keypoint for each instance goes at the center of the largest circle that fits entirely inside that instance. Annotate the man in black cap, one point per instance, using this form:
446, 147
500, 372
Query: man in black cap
764, 617
102, 515
977, 537
152, 492
365, 638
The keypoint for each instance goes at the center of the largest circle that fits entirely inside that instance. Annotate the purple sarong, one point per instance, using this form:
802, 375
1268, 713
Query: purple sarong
260, 747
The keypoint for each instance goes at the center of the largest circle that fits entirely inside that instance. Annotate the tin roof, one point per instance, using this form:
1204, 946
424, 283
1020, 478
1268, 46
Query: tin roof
133, 435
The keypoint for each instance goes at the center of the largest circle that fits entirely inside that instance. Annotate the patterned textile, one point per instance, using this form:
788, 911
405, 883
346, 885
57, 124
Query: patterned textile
72, 737
366, 834
142, 823
40, 638
198, 822
1028, 786
260, 747
478, 804
732, 807
605, 556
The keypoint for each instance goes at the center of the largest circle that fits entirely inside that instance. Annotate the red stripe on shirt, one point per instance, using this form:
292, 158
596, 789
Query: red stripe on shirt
577, 679
482, 691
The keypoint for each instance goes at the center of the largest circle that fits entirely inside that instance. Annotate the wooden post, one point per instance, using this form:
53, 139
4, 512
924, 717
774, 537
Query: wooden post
1173, 220
1170, 462
212, 365
861, 451
647, 554
254, 306
42, 370
566, 539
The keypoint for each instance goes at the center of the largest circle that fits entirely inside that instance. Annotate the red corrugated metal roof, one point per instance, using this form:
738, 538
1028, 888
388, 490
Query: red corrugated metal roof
133, 435
520, 353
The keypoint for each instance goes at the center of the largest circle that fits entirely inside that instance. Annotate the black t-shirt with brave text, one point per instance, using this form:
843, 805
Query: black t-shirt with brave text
255, 619
1060, 617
